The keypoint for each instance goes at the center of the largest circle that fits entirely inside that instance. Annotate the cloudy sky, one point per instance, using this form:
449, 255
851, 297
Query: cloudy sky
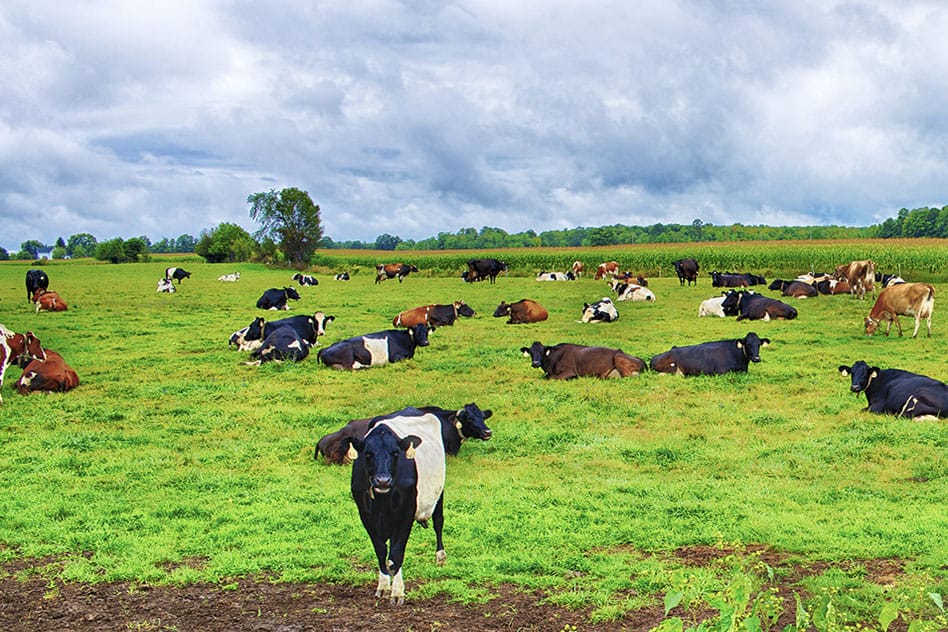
124, 118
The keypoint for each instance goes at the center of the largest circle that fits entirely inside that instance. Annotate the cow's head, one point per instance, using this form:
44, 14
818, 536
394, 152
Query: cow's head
776, 285
411, 268
238, 337
861, 375
470, 422
751, 346
731, 302
871, 325
291, 293
502, 310
537, 352
255, 329
321, 321
419, 334
463, 309
381, 454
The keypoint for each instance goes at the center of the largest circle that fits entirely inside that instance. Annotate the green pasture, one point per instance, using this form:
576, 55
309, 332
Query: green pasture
173, 462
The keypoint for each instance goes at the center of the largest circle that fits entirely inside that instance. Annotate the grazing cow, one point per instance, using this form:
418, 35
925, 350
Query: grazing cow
433, 315
17, 349
360, 352
711, 358
480, 269
796, 289
234, 276
904, 299
308, 328
631, 292
555, 276
45, 370
898, 392
283, 343
712, 307
860, 275
35, 280
577, 269
342, 276
567, 361
602, 311
749, 305
305, 279
523, 311
687, 270
166, 285
48, 301
456, 426
178, 274
606, 268
723, 279
392, 270
277, 299
397, 480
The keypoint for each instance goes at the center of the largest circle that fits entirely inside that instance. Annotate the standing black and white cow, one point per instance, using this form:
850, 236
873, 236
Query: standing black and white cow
305, 279
35, 279
277, 299
393, 270
177, 274
397, 480
898, 392
602, 311
309, 328
284, 343
711, 358
360, 352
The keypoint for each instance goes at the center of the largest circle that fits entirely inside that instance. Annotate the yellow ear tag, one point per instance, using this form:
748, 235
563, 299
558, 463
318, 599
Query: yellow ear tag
352, 454
410, 452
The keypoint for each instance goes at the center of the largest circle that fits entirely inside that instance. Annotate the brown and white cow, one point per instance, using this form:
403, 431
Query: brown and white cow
904, 299
17, 348
47, 301
577, 269
607, 268
523, 311
392, 270
51, 374
433, 315
860, 275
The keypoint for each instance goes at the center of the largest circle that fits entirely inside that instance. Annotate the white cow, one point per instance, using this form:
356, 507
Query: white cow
166, 285
235, 276
712, 307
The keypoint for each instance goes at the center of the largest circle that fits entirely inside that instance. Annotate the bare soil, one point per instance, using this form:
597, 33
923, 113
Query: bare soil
31, 601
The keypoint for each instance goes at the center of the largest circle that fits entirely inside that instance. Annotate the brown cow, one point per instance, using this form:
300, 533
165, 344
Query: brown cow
433, 315
51, 374
17, 348
607, 268
566, 361
577, 269
523, 311
905, 299
47, 301
392, 270
860, 275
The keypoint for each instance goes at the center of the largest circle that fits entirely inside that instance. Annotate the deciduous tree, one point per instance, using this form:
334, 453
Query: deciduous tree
289, 218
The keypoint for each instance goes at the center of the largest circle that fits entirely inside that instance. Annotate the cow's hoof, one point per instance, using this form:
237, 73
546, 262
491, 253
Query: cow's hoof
441, 557
398, 601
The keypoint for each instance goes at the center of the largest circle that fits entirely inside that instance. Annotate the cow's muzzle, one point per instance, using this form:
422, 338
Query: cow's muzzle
382, 483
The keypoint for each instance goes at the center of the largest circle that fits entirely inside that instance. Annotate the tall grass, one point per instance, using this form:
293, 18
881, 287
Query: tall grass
173, 462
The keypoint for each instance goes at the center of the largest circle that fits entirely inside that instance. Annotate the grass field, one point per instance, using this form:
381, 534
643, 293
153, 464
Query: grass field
173, 462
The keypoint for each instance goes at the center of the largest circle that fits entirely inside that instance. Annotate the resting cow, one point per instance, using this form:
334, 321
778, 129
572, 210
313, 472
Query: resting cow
566, 361
898, 392
277, 299
305, 279
687, 270
722, 279
523, 311
17, 349
555, 276
360, 352
711, 358
480, 269
46, 301
232, 277
392, 270
796, 289
903, 299
35, 280
309, 328
179, 274
749, 305
397, 480
711, 307
433, 315
342, 276
456, 426
602, 311
166, 285
283, 343
45, 371
627, 291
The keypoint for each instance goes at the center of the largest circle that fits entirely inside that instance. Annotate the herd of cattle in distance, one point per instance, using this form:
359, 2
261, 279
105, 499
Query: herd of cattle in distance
398, 459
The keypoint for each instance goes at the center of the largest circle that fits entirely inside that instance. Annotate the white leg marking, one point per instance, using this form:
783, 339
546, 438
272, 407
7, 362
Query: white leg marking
385, 585
398, 589
441, 557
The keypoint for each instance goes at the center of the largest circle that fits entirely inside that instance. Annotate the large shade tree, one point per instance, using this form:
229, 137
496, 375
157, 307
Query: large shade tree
289, 218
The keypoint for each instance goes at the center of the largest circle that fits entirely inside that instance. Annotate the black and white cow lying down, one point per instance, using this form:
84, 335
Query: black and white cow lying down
305, 279
276, 299
397, 480
284, 343
309, 328
602, 311
359, 352
898, 392
711, 358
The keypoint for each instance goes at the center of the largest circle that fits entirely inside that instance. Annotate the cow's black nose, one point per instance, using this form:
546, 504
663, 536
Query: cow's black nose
382, 481
488, 434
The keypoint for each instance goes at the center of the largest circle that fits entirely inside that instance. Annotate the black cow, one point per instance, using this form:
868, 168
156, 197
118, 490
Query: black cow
898, 392
711, 358
284, 343
726, 279
35, 280
177, 274
305, 279
480, 269
567, 361
342, 276
397, 480
276, 299
796, 289
392, 270
456, 426
359, 352
309, 328
687, 270
753, 306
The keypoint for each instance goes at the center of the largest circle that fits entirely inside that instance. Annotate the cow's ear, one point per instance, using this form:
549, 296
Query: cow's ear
408, 444
488, 413
547, 351
844, 370
740, 345
764, 342
525, 351
874, 372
